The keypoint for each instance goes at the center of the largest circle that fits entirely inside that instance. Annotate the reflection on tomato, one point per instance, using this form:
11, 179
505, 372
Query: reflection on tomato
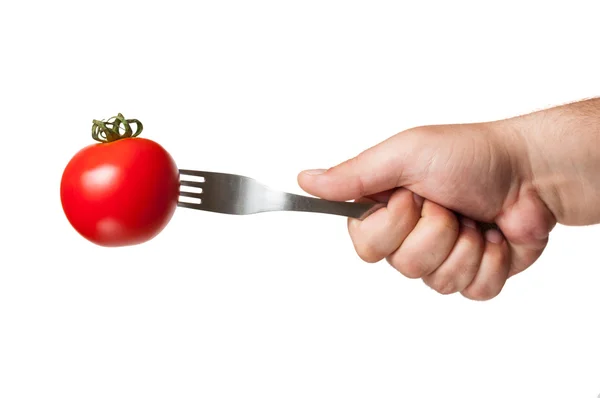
121, 191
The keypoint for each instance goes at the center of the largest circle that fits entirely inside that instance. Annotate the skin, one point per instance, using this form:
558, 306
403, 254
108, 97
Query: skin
523, 174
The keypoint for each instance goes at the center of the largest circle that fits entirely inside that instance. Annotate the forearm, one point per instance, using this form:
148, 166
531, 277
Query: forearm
563, 151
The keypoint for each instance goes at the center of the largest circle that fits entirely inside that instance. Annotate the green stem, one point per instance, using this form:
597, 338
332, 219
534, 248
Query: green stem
115, 128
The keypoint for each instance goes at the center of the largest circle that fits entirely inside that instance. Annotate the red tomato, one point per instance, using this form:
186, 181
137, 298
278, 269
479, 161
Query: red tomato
120, 193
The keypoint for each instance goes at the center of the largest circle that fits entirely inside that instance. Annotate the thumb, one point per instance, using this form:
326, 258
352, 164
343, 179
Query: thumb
375, 170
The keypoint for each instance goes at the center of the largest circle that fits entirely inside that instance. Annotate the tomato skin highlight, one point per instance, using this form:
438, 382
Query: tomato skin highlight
120, 193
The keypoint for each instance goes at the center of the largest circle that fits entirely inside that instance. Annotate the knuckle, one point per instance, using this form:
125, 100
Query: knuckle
368, 253
402, 210
443, 284
410, 268
533, 233
481, 292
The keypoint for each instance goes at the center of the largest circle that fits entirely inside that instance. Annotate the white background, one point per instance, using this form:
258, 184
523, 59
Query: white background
276, 305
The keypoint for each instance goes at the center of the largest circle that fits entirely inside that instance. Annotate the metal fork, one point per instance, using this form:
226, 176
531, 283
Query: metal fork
235, 194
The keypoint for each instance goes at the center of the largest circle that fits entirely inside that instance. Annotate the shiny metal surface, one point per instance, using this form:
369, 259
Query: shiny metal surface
235, 194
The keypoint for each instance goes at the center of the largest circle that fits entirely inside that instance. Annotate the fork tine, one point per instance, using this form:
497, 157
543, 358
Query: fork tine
190, 194
195, 206
192, 172
194, 184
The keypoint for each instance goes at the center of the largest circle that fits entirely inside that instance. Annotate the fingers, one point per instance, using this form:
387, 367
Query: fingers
382, 232
493, 270
428, 244
424, 240
527, 226
459, 269
377, 169
414, 235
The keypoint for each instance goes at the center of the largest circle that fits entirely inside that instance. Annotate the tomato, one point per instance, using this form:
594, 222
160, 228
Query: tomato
122, 191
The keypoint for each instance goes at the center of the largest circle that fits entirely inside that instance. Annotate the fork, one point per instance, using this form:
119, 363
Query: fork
239, 195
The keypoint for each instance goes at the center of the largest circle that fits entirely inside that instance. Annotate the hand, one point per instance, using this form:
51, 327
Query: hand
436, 181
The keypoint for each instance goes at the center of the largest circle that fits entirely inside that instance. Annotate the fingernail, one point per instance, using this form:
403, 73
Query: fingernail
467, 222
315, 172
418, 199
493, 235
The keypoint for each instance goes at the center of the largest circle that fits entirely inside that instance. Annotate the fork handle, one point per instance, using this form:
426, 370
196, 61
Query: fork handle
359, 211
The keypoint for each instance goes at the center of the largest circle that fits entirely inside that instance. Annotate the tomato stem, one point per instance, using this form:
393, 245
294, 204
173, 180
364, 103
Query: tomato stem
115, 128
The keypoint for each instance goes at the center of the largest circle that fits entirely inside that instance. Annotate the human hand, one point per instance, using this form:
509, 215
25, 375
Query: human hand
427, 175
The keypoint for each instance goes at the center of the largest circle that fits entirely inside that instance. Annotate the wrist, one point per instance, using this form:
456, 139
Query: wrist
561, 161
515, 142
